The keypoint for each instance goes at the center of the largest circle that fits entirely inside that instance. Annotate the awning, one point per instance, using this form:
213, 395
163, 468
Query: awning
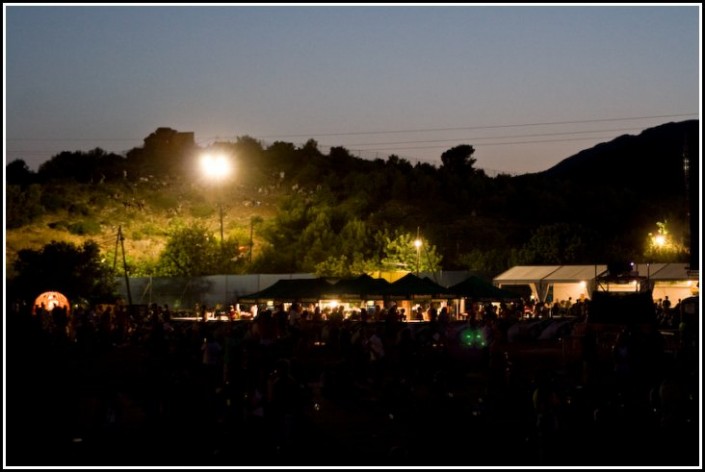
478, 289
291, 290
363, 287
671, 271
519, 275
575, 273
411, 286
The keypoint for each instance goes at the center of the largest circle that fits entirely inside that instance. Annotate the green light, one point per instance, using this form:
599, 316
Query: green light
472, 338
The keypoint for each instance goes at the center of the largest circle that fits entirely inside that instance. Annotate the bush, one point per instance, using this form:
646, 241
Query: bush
202, 210
79, 209
150, 229
22, 207
85, 227
59, 225
54, 198
163, 202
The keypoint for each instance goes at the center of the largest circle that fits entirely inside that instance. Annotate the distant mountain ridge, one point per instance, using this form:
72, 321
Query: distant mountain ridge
654, 159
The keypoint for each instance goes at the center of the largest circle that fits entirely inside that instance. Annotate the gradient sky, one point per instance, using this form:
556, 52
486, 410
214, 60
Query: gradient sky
411, 80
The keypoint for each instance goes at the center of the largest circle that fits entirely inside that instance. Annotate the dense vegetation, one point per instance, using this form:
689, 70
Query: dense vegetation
296, 209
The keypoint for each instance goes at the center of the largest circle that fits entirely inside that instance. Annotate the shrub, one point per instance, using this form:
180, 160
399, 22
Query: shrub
202, 210
85, 227
163, 202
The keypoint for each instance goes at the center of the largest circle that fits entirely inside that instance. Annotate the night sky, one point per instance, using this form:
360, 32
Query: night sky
526, 85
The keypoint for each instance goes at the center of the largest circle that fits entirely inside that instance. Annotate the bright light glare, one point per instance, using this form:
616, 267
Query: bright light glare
216, 167
659, 240
417, 243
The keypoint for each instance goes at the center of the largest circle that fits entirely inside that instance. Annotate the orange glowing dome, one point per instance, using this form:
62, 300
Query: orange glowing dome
50, 300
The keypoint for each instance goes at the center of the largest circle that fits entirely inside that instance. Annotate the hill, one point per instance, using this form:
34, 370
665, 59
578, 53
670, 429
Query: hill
146, 211
597, 204
650, 163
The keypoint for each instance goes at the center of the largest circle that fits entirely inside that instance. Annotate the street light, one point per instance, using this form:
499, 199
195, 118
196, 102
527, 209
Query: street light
417, 243
216, 167
659, 240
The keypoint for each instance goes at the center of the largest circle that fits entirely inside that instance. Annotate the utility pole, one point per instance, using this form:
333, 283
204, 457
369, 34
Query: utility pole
121, 240
220, 209
417, 243
252, 233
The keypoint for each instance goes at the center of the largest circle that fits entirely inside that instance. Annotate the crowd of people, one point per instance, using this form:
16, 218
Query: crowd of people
302, 386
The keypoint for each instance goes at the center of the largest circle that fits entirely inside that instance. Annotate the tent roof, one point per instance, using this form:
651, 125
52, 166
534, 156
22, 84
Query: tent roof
572, 273
358, 287
519, 275
525, 274
671, 271
292, 290
411, 285
479, 289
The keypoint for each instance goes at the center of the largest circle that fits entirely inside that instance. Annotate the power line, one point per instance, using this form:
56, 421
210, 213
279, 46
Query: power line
355, 133
421, 130
476, 138
75, 139
501, 140
491, 144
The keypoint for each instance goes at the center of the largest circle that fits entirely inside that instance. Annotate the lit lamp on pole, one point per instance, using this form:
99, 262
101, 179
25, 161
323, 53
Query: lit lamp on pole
658, 245
217, 168
659, 241
417, 243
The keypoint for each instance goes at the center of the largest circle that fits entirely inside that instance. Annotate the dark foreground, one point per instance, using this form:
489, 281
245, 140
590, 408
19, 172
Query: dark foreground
429, 401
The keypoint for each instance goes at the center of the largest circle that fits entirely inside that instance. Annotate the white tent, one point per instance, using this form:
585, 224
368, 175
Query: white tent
674, 280
574, 281
562, 282
533, 276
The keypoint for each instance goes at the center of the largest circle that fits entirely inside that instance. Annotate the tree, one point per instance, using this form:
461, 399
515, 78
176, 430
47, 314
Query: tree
79, 272
559, 243
661, 246
249, 146
351, 255
93, 166
458, 160
17, 173
23, 205
195, 251
400, 253
342, 267
488, 261
311, 148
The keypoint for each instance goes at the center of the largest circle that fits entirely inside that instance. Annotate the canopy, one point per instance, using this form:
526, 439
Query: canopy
290, 290
519, 275
359, 288
575, 273
667, 272
410, 286
570, 280
476, 288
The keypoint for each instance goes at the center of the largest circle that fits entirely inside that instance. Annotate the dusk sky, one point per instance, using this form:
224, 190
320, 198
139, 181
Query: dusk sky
526, 85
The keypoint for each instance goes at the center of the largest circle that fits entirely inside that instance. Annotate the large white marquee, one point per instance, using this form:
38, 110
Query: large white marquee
560, 282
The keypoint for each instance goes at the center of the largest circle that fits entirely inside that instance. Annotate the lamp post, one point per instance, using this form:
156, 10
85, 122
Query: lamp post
659, 241
417, 243
216, 167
